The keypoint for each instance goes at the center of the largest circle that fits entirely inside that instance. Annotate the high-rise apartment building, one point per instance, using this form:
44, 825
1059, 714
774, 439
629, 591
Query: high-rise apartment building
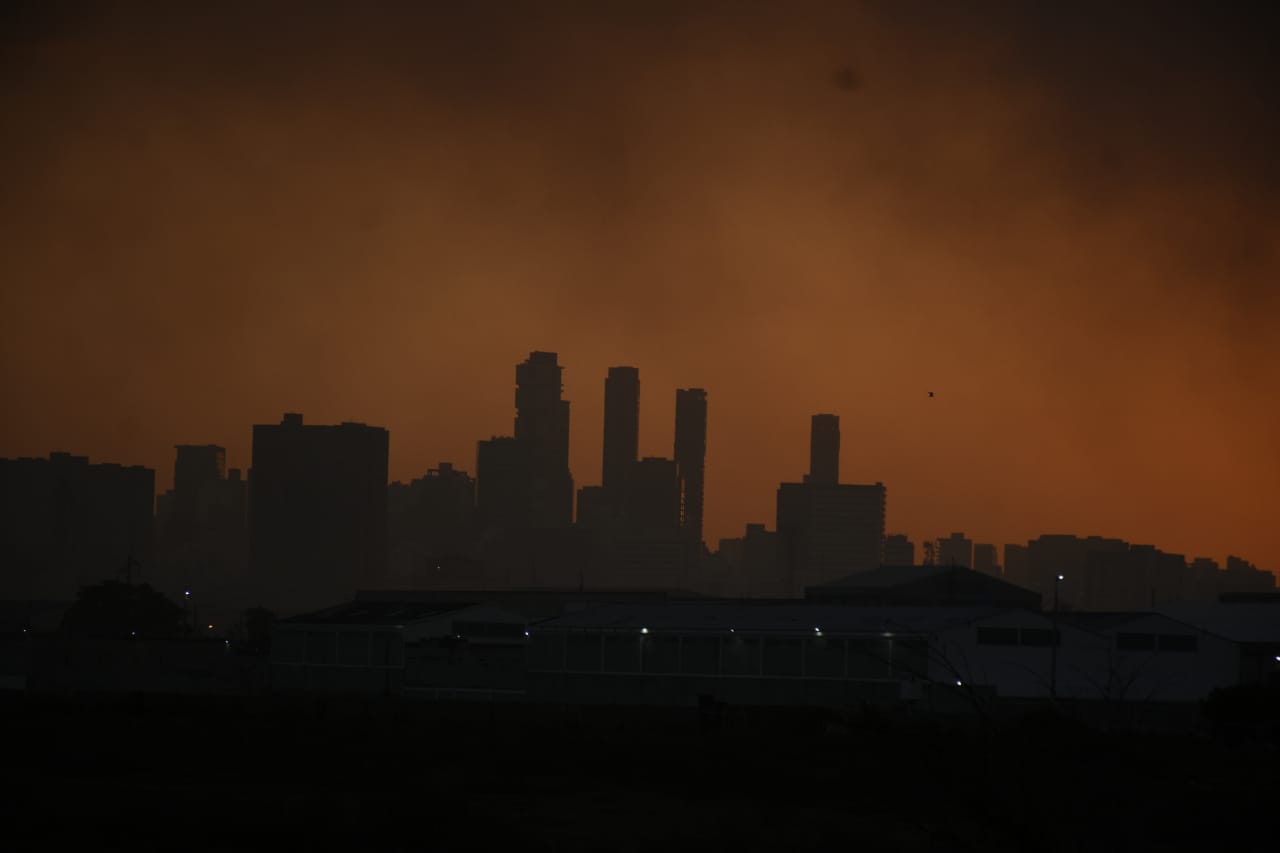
621, 428
826, 531
317, 511
824, 450
691, 457
542, 430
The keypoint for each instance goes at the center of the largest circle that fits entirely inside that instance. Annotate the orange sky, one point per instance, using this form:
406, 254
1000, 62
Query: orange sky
1063, 222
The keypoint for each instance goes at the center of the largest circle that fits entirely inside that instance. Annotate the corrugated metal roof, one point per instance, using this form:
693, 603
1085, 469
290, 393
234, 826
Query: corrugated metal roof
378, 613
1102, 621
888, 577
884, 576
768, 618
1240, 623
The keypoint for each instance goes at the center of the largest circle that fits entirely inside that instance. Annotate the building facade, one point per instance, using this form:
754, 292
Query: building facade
317, 511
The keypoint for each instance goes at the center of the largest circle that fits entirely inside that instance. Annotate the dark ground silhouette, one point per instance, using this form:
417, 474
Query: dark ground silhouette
158, 772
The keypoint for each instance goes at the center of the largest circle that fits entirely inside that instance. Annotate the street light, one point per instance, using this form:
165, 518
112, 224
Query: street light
1053, 641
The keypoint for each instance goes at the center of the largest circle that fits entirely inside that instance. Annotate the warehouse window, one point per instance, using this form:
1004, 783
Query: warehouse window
320, 647
661, 654
700, 656
824, 658
741, 655
870, 658
1177, 643
1039, 637
583, 652
622, 652
1136, 642
289, 646
998, 636
782, 657
353, 649
546, 651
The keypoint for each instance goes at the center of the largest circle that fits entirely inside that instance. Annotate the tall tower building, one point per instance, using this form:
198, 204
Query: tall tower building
542, 430
198, 470
824, 450
502, 493
826, 529
198, 465
621, 427
653, 497
691, 456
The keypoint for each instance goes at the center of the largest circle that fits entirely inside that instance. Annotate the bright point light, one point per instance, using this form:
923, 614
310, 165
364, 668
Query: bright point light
1061, 577
188, 592
817, 630
526, 633
644, 630
210, 627
133, 633
959, 684
731, 631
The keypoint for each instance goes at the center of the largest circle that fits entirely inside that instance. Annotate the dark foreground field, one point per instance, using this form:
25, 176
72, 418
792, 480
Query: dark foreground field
172, 773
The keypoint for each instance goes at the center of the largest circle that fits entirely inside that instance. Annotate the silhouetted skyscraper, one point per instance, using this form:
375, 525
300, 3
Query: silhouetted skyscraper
760, 561
318, 511
202, 527
824, 450
653, 497
984, 559
691, 456
503, 487
621, 427
1017, 566
826, 531
956, 551
65, 523
196, 470
433, 528
899, 551
196, 466
542, 429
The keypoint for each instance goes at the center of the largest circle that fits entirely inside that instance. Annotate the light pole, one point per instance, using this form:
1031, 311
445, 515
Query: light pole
1053, 642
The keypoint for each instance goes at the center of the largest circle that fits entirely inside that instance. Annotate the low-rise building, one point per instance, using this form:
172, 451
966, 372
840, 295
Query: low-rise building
391, 646
680, 653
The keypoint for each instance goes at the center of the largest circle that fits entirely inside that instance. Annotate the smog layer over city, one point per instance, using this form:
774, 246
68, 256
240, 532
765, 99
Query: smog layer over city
639, 425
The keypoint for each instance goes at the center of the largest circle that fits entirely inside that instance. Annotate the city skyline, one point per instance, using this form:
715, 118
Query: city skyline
830, 424
423, 422
831, 209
